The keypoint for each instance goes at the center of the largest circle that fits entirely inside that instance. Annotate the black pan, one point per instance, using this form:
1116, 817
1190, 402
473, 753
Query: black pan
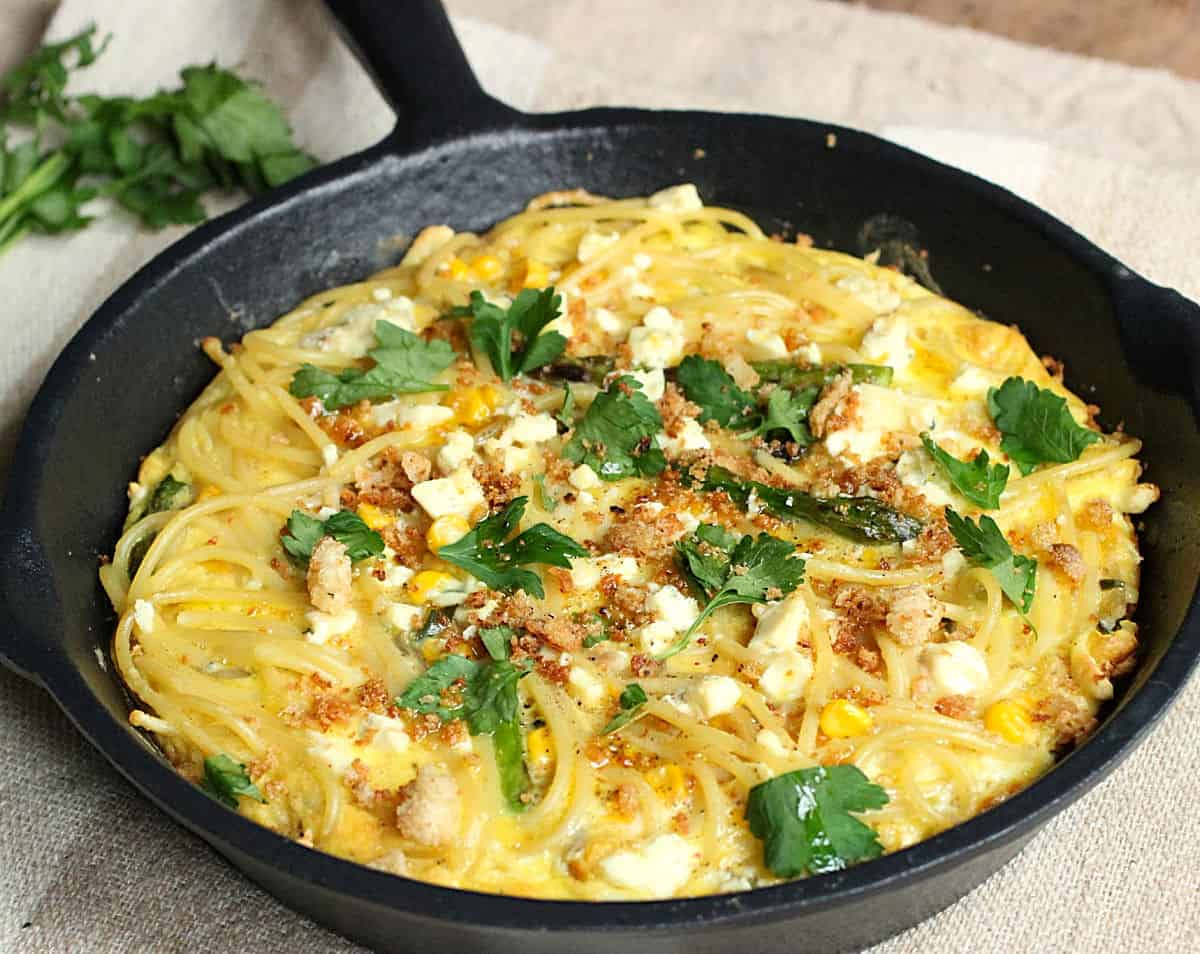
460, 157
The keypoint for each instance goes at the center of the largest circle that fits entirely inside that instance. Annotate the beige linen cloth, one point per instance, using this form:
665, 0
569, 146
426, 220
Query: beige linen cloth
87, 865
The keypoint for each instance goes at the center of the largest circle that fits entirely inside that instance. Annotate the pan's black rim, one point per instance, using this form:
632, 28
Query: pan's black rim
231, 833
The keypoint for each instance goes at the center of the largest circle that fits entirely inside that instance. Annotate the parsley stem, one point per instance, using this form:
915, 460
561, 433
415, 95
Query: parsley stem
42, 179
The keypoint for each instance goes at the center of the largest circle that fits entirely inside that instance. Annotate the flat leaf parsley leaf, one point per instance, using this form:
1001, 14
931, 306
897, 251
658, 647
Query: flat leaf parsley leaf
404, 364
1037, 426
974, 479
984, 545
484, 696
787, 412
726, 571
226, 780
803, 819
631, 700
487, 554
304, 532
514, 339
616, 437
707, 384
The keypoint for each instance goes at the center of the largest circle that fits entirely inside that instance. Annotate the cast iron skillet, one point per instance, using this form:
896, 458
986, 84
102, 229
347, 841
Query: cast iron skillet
460, 157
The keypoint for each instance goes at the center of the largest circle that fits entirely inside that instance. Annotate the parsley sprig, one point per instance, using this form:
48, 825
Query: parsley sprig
155, 156
804, 819
980, 481
304, 532
514, 338
227, 780
487, 554
726, 570
1037, 426
405, 363
616, 437
984, 545
483, 695
630, 702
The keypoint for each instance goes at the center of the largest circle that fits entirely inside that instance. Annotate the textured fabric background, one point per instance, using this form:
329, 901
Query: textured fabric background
86, 865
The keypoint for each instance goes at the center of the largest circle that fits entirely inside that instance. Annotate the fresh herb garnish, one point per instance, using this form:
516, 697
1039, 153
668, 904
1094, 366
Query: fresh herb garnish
600, 635
803, 819
631, 700
726, 571
864, 519
786, 412
791, 375
345, 526
487, 554
154, 156
616, 435
226, 780
974, 479
566, 413
497, 640
513, 339
1037, 426
547, 500
170, 494
707, 384
484, 696
436, 622
405, 363
984, 545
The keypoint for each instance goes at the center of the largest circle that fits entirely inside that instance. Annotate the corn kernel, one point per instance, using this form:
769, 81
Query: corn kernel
209, 491
669, 782
457, 269
1009, 720
842, 719
373, 516
431, 650
421, 586
538, 744
474, 405
445, 530
486, 267
530, 274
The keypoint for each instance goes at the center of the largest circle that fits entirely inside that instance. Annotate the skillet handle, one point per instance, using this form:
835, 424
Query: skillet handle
411, 52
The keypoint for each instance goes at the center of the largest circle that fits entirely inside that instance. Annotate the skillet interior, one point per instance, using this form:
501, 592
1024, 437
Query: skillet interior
119, 386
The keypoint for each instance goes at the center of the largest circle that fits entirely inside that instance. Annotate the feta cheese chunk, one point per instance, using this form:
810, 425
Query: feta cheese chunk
516, 447
587, 572
403, 616
677, 199
593, 242
607, 321
652, 381
656, 636
583, 478
886, 342
586, 687
354, 335
691, 437
974, 381
715, 695
324, 626
880, 412
779, 624
671, 606
918, 470
876, 295
765, 345
417, 418
957, 668
457, 449
336, 752
660, 867
786, 676
458, 494
389, 734
658, 342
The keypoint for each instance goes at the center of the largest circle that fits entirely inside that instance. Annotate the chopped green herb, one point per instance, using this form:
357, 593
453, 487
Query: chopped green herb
728, 571
170, 494
345, 526
600, 635
227, 780
404, 364
805, 823
974, 479
984, 545
566, 413
707, 384
437, 621
497, 640
863, 519
1037, 426
487, 554
616, 437
787, 412
547, 500
514, 339
631, 700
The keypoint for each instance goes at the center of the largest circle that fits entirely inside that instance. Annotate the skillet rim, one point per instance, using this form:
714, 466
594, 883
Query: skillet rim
229, 832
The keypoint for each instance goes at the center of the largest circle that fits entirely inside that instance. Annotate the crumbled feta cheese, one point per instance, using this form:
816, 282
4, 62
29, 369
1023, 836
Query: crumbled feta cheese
658, 341
607, 321
583, 478
764, 345
652, 507
953, 563
390, 734
786, 675
881, 411
671, 606
593, 242
887, 343
660, 867
811, 353
326, 512
780, 625
691, 437
652, 381
516, 446
329, 454
458, 494
957, 668
452, 591
918, 470
354, 335
410, 417
974, 381
336, 752
876, 295
656, 636
586, 572
394, 574
586, 687
143, 615
680, 198
403, 616
772, 744
715, 695
457, 449
324, 626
